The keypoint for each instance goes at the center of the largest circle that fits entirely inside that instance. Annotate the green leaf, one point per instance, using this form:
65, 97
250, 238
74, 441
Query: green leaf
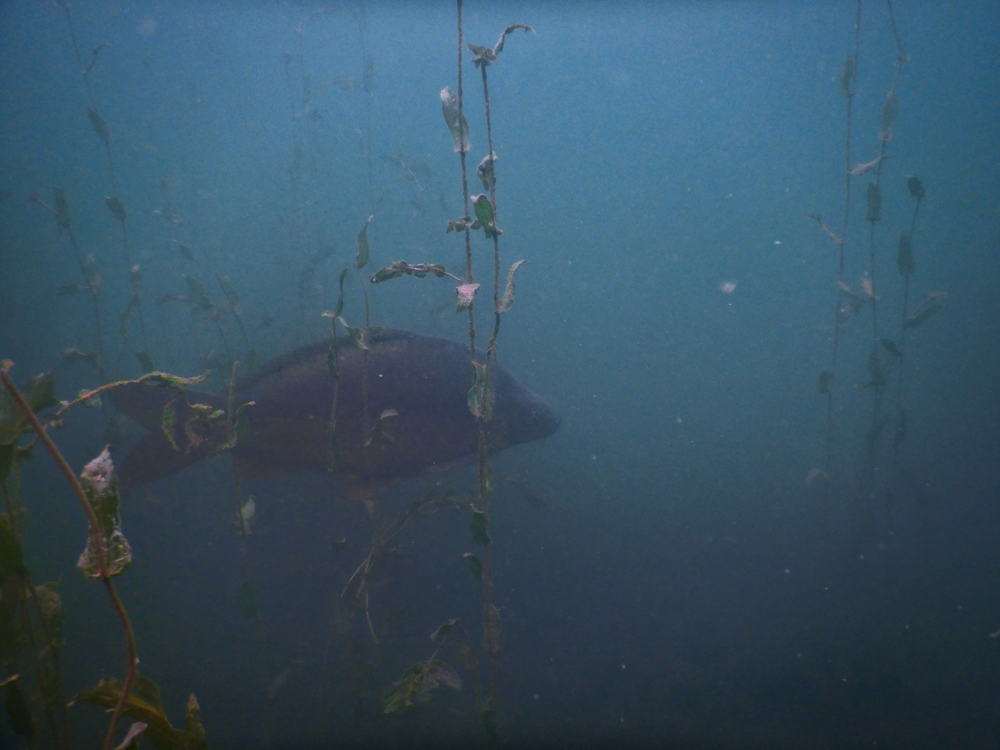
101, 487
363, 249
475, 565
143, 704
18, 711
248, 599
11, 554
117, 207
930, 306
100, 127
40, 392
492, 632
507, 301
6, 460
168, 423
490, 722
479, 533
443, 630
916, 187
481, 394
904, 256
62, 210
825, 381
874, 203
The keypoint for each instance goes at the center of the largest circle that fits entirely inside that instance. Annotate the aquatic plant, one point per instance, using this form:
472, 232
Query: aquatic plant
106, 556
850, 303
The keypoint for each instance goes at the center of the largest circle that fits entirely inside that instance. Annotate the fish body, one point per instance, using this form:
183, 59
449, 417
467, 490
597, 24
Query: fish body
289, 404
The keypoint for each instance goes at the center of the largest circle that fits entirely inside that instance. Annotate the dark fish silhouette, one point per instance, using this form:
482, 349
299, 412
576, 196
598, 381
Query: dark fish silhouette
425, 380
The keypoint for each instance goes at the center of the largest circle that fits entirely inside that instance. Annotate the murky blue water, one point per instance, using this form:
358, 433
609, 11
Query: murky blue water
666, 575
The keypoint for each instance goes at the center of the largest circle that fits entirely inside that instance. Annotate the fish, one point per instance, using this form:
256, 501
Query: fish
287, 405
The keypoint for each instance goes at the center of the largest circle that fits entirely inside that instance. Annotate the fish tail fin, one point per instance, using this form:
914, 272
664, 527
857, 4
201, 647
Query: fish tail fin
184, 427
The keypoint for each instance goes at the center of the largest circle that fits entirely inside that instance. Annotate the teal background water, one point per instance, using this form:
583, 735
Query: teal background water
684, 582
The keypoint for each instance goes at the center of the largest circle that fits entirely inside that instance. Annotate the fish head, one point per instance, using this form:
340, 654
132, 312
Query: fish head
519, 414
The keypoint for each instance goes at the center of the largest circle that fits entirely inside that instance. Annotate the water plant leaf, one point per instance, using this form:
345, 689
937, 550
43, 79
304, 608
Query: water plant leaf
62, 210
131, 739
486, 215
145, 361
478, 526
874, 203
498, 47
18, 711
11, 553
904, 256
363, 248
417, 682
507, 301
890, 111
847, 75
460, 225
475, 565
876, 373
826, 230
890, 346
825, 381
192, 722
40, 392
923, 313
143, 704
486, 173
185, 251
6, 460
197, 295
916, 187
491, 724
466, 296
492, 631
168, 215
443, 630
100, 127
481, 393
101, 487
456, 122
64, 290
398, 268
117, 207
231, 295
248, 599
126, 315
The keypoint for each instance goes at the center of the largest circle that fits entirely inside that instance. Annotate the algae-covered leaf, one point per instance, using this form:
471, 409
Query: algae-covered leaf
480, 535
378, 429
847, 75
481, 393
486, 215
145, 361
486, 172
40, 392
904, 256
490, 722
492, 631
457, 124
101, 487
168, 423
242, 423
142, 704
100, 127
466, 296
890, 346
498, 47
825, 381
874, 203
443, 674
475, 565
248, 599
62, 210
507, 301
131, 739
443, 630
18, 712
197, 295
922, 314
916, 187
192, 721
6, 459
11, 553
126, 316
363, 248
117, 207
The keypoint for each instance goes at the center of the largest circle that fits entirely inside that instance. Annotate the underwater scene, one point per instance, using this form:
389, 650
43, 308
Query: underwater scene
499, 374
